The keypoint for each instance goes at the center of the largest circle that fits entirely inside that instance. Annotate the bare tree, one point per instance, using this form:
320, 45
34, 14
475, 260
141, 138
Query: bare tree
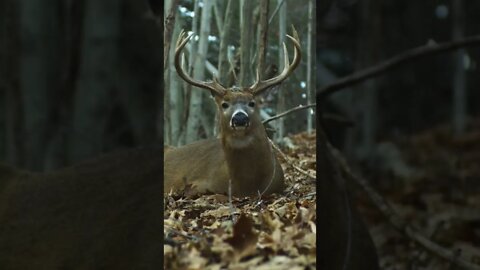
282, 26
226, 36
97, 78
459, 76
246, 41
175, 98
194, 122
38, 71
262, 37
364, 104
310, 64
9, 77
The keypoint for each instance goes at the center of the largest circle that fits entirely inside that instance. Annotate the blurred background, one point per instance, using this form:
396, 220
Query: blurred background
77, 78
413, 131
429, 91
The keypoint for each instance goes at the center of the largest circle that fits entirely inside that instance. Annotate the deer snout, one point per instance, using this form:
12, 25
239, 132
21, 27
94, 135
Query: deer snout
239, 120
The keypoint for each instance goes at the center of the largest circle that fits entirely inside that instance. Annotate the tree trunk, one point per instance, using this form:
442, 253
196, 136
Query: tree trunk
98, 70
459, 76
282, 26
176, 96
218, 9
39, 64
171, 7
140, 72
343, 241
246, 29
225, 39
187, 88
9, 79
195, 111
364, 102
262, 38
310, 64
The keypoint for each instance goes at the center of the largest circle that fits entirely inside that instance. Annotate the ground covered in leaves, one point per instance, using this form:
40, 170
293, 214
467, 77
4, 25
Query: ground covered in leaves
432, 180
268, 232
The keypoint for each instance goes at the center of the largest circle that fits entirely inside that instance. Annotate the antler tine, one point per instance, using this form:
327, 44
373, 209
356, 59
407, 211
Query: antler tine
259, 86
213, 86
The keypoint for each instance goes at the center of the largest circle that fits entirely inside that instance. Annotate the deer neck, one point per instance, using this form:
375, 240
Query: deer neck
250, 161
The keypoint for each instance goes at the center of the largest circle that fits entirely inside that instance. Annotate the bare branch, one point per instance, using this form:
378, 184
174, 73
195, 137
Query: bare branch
409, 55
298, 108
398, 223
325, 116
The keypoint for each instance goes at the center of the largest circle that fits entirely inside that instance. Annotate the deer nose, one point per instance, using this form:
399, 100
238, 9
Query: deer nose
239, 119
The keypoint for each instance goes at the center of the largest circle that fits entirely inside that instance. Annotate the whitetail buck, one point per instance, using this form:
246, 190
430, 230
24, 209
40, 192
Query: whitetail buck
242, 155
101, 214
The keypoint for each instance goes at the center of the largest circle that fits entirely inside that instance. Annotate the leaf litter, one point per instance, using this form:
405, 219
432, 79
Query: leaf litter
271, 232
441, 198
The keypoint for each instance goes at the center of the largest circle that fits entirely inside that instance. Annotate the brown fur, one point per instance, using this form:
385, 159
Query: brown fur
101, 214
245, 157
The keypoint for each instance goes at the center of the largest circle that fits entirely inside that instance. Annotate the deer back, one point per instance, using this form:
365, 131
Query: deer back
201, 164
208, 166
100, 214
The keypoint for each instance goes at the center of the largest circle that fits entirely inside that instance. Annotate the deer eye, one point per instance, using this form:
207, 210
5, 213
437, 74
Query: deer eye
225, 105
251, 104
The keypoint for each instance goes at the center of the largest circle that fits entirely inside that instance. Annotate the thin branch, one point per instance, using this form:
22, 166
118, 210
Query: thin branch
183, 234
298, 108
412, 54
326, 116
339, 119
397, 222
287, 159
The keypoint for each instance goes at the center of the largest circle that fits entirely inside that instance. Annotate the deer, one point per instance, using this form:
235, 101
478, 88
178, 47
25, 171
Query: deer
242, 154
103, 213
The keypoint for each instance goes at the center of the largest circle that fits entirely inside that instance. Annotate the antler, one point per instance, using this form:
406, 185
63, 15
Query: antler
259, 86
214, 86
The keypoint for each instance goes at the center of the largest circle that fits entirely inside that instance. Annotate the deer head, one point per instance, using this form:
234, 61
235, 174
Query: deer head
238, 106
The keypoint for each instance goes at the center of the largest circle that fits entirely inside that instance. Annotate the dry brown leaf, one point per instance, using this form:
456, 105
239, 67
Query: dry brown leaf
244, 239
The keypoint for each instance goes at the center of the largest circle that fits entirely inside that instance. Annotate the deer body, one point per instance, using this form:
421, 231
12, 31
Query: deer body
242, 155
186, 165
100, 214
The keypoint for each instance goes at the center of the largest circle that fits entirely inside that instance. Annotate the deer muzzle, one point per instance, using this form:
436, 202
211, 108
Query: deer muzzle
239, 120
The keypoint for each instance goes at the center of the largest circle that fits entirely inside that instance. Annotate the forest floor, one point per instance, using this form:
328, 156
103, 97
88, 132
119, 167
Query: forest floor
267, 232
432, 181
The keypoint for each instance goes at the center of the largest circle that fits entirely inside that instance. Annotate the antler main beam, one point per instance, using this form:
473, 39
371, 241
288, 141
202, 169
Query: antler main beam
214, 85
260, 86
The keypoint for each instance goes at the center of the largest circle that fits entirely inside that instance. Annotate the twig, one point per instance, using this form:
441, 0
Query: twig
298, 108
338, 119
326, 116
230, 201
183, 234
287, 159
429, 49
397, 222
423, 252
